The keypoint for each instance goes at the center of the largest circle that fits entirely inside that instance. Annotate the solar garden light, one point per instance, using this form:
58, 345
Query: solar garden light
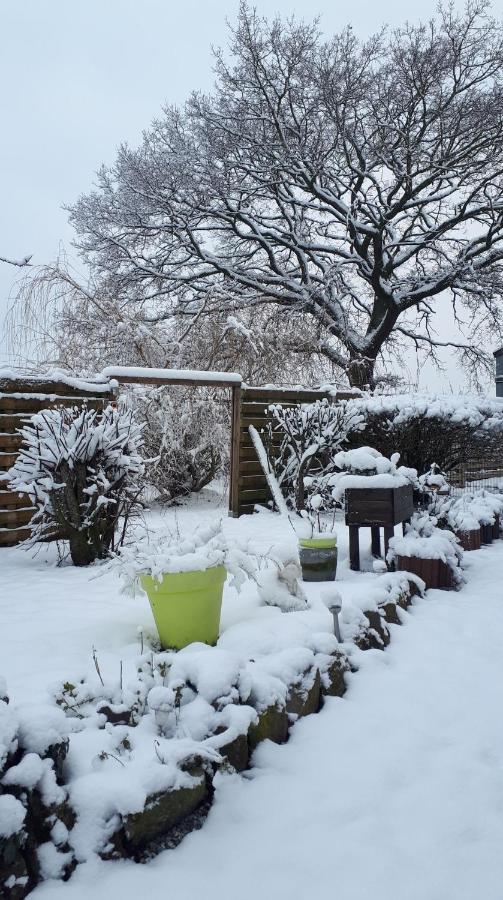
333, 602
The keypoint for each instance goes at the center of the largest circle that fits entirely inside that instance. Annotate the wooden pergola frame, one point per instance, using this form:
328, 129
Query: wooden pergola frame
189, 378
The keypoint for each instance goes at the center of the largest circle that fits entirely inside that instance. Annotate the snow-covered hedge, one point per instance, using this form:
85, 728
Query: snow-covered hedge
82, 469
429, 428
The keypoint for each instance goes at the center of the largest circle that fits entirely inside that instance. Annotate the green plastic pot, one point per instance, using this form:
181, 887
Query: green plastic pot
186, 605
318, 558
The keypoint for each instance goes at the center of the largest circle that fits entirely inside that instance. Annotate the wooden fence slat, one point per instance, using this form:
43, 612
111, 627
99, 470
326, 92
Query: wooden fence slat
26, 384
9, 537
12, 500
30, 405
10, 442
15, 518
249, 465
7, 460
253, 495
281, 396
247, 482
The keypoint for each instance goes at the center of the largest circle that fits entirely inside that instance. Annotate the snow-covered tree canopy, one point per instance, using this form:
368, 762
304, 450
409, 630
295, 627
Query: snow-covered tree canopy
81, 468
352, 182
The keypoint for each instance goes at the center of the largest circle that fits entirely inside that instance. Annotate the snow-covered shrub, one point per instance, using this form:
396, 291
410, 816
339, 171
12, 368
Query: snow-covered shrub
426, 428
423, 539
365, 467
301, 441
468, 512
433, 481
185, 437
205, 547
82, 469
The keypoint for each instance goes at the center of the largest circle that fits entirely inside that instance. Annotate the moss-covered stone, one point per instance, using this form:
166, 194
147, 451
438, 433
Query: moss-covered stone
15, 882
162, 811
333, 683
390, 613
302, 701
237, 753
272, 724
377, 625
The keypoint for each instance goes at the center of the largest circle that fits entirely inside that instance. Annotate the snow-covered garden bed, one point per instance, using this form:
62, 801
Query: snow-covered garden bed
110, 744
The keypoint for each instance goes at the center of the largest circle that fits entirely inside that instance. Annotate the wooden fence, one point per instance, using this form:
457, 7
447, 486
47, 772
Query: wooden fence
20, 398
249, 478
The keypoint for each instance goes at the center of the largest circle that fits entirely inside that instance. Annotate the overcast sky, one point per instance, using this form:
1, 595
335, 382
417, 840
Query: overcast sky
78, 77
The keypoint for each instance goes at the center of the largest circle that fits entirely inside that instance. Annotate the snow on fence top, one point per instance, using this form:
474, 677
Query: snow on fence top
139, 374
12, 379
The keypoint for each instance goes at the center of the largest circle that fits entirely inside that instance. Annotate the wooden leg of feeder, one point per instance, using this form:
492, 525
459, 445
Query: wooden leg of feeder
376, 540
354, 548
388, 533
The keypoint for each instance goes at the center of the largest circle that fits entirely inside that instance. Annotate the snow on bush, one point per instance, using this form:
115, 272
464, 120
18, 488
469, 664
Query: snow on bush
309, 434
184, 438
424, 540
12, 815
429, 428
82, 469
204, 548
468, 512
365, 467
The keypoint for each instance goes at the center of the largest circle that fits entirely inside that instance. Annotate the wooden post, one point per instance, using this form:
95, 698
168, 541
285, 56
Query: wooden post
388, 533
354, 548
235, 445
376, 540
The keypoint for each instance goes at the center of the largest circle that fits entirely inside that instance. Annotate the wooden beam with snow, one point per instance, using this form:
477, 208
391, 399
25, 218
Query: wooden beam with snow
190, 377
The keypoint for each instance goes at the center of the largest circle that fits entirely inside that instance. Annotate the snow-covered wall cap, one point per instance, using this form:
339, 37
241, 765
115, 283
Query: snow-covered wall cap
184, 376
96, 383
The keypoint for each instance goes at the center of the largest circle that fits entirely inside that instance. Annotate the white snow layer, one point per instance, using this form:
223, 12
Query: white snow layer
142, 373
12, 815
393, 792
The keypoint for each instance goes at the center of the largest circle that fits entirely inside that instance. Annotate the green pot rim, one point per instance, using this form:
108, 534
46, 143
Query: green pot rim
325, 543
173, 582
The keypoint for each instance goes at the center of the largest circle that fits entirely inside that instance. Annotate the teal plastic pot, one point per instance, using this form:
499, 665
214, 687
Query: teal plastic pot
186, 605
318, 558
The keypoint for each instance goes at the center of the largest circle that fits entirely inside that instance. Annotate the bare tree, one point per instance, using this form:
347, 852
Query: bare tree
356, 184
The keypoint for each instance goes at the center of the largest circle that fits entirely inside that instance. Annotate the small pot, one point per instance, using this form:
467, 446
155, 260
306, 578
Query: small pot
186, 605
318, 558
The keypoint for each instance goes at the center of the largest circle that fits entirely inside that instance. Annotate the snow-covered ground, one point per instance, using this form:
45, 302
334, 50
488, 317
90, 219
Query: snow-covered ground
395, 791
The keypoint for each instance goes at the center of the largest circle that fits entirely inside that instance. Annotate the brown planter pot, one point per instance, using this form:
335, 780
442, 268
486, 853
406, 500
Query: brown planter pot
487, 533
496, 528
470, 540
446, 577
427, 569
434, 572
